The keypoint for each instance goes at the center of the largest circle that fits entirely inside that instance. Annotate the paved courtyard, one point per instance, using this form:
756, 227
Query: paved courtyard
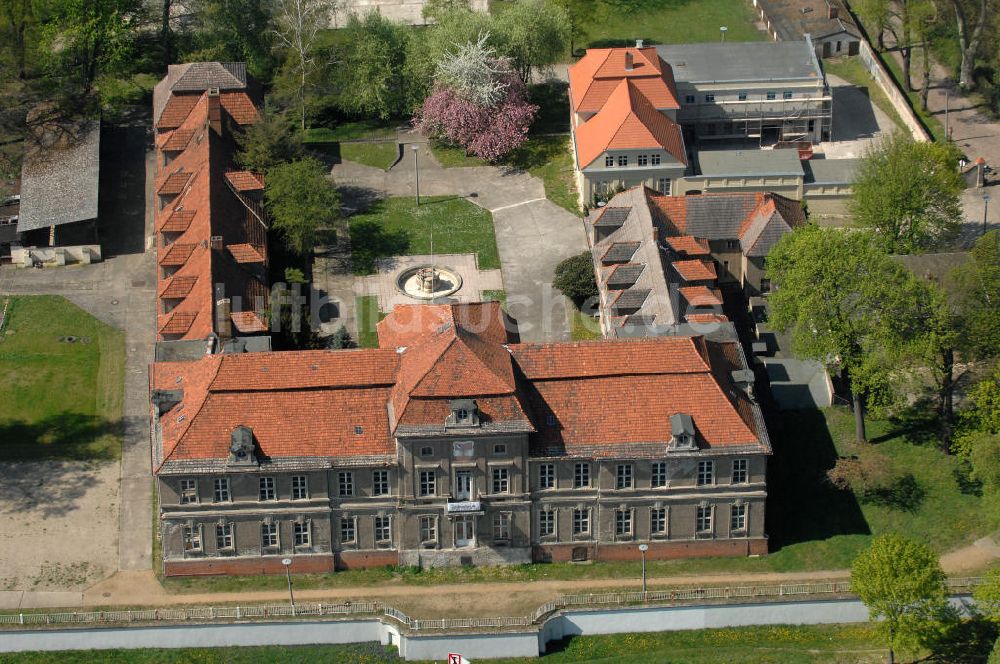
383, 284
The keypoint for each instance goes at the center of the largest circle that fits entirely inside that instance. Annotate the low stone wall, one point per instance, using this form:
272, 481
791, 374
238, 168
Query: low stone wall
887, 84
363, 559
55, 256
316, 564
481, 556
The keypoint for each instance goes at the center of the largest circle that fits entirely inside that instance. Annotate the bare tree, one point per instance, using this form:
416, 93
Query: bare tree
298, 24
474, 71
970, 17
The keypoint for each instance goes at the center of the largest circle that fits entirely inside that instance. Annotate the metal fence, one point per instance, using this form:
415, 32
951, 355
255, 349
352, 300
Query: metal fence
378, 609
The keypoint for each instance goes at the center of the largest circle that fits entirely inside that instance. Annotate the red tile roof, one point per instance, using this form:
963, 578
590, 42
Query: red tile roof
176, 287
688, 245
706, 318
248, 322
178, 108
177, 254
177, 140
701, 296
695, 270
240, 107
245, 181
173, 183
594, 77
628, 121
177, 222
179, 322
245, 253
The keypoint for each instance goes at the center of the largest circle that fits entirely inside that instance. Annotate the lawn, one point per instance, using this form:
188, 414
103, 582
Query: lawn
377, 155
346, 131
453, 156
348, 140
549, 159
615, 23
62, 399
583, 327
853, 71
398, 227
366, 308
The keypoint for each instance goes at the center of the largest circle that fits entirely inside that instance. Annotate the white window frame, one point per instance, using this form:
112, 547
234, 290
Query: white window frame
500, 480
380, 483
302, 533
428, 528
192, 539
656, 516
741, 471
188, 492
546, 476
658, 474
502, 522
625, 476
738, 514
225, 536
382, 527
622, 160
581, 475
221, 491
270, 532
624, 523
642, 160
704, 520
300, 487
546, 523
266, 491
665, 186
609, 161
581, 523
706, 473
345, 483
654, 159
428, 483
349, 526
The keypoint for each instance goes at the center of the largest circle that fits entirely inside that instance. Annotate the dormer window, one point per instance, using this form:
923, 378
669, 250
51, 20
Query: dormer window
464, 413
682, 432
241, 447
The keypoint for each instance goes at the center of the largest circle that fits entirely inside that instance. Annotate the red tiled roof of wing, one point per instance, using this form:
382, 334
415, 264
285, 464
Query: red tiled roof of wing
177, 254
596, 74
695, 270
544, 361
306, 369
672, 208
173, 183
407, 324
178, 322
628, 121
245, 181
178, 108
248, 322
240, 107
177, 221
701, 296
177, 140
177, 287
245, 253
706, 318
686, 244
765, 207
423, 412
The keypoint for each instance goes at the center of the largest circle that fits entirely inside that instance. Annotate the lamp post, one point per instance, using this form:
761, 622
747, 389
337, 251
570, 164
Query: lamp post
287, 562
643, 548
986, 207
723, 29
416, 172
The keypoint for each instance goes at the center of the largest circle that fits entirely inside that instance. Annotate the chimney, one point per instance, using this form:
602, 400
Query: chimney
832, 10
628, 61
223, 318
216, 242
214, 111
638, 43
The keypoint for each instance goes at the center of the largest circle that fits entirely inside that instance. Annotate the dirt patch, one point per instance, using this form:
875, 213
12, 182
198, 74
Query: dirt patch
60, 524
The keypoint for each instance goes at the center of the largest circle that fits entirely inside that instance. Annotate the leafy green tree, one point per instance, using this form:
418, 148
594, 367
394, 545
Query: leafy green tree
574, 276
374, 66
534, 34
987, 596
17, 19
903, 586
846, 304
297, 27
301, 201
877, 15
235, 30
978, 286
908, 192
270, 141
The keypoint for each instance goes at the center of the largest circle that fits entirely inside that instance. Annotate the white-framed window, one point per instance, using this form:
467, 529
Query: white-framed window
581, 475
302, 533
348, 529
300, 487
189, 492
743, 96
709, 98
546, 476
623, 476
663, 185
428, 482
499, 449
609, 161
654, 160
501, 480
739, 471
642, 159
706, 473
266, 488
788, 95
546, 523
658, 474
771, 96
658, 521
738, 518
380, 482
623, 523
221, 489
428, 528
345, 483
581, 522
501, 526
623, 160
192, 538
268, 535
224, 536
703, 519
383, 530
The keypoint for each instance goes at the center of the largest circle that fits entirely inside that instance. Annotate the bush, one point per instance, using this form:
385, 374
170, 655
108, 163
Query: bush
575, 278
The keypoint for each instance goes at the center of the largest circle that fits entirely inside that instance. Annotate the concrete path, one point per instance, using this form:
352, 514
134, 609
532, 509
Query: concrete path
533, 234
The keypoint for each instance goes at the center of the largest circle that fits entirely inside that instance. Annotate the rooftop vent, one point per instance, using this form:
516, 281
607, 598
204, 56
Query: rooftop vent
629, 66
638, 43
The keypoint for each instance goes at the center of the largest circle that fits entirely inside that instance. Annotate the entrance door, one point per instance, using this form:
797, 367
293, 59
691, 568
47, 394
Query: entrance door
465, 533
463, 485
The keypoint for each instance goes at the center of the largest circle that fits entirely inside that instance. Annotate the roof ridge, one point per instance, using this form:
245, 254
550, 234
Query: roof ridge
201, 406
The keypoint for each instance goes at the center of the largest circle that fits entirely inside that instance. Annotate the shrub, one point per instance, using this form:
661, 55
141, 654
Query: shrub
575, 278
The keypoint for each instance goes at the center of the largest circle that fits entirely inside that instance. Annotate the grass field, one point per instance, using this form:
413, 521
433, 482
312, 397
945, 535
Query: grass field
853, 71
549, 159
366, 308
780, 644
583, 327
398, 227
452, 156
60, 400
374, 154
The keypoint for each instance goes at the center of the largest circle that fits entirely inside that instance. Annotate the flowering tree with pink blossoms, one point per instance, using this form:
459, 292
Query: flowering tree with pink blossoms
478, 102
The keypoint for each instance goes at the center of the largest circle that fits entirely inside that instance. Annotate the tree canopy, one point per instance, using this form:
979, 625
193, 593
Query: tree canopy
301, 201
270, 141
903, 586
374, 67
908, 193
574, 276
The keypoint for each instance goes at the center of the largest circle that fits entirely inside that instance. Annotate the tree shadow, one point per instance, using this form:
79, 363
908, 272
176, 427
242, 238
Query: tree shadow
917, 423
904, 493
967, 484
66, 436
802, 505
552, 99
328, 153
965, 642
121, 223
370, 242
358, 199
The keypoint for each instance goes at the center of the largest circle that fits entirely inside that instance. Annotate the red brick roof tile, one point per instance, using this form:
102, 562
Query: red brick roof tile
173, 184
179, 322
701, 296
245, 181
177, 287
248, 322
178, 140
695, 270
688, 245
177, 222
177, 254
240, 107
178, 108
245, 253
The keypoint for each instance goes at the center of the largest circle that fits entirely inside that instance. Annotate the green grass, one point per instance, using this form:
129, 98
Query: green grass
376, 155
398, 227
549, 159
929, 120
495, 296
453, 156
347, 131
583, 327
60, 400
366, 308
614, 23
851, 69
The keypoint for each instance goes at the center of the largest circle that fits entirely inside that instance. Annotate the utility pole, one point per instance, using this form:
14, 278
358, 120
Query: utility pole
416, 172
287, 562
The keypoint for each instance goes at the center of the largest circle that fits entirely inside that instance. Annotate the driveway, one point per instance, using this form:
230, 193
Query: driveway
533, 234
